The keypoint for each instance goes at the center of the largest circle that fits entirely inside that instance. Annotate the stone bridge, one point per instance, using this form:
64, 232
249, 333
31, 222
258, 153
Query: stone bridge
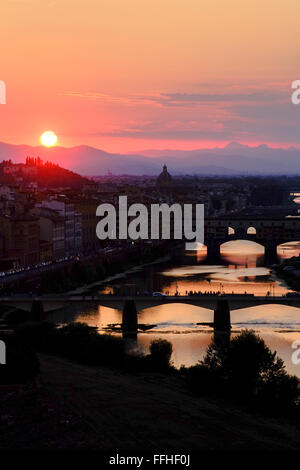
235, 301
268, 232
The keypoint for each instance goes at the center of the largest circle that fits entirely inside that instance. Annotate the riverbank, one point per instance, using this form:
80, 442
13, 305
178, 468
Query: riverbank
85, 272
101, 408
89, 287
289, 272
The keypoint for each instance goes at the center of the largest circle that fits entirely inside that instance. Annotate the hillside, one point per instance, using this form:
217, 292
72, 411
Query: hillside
35, 170
152, 411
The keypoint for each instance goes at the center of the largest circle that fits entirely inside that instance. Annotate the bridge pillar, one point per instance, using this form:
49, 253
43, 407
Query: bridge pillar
222, 316
271, 253
213, 251
37, 310
129, 319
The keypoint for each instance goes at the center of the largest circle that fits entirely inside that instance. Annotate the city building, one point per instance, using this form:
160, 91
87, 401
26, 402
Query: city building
87, 208
21, 239
52, 231
164, 181
73, 233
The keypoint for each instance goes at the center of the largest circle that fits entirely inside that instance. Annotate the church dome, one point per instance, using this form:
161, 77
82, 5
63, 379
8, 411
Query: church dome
164, 180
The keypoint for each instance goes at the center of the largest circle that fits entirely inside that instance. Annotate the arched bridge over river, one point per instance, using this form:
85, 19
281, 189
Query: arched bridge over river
270, 232
235, 301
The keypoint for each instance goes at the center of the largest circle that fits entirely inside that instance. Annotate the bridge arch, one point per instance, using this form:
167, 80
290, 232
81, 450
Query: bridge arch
288, 249
235, 245
247, 246
251, 247
251, 230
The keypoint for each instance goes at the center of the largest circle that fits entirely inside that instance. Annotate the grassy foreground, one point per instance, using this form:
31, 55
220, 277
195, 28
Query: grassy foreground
102, 408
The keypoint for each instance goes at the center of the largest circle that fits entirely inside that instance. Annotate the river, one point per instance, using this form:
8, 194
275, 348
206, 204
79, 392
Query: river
241, 269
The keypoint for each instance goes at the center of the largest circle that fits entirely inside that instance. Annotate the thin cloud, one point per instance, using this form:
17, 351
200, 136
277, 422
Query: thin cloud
180, 99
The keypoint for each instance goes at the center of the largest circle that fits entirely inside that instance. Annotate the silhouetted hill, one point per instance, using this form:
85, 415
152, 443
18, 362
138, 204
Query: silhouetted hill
56, 176
35, 170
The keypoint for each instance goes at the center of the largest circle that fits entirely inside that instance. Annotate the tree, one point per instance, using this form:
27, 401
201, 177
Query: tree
247, 369
161, 352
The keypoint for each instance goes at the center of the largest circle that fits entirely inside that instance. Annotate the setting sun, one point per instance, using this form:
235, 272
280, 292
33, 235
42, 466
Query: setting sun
48, 139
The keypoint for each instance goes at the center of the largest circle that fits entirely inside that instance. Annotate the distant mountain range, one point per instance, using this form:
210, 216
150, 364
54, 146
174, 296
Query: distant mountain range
234, 159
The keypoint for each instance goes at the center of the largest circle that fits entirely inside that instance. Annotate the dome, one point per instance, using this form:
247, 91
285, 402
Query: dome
164, 180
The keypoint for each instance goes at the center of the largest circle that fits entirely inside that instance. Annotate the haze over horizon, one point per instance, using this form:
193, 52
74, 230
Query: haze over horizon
233, 159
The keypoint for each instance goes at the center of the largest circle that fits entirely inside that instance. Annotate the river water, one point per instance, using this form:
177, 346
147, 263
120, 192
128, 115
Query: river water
241, 269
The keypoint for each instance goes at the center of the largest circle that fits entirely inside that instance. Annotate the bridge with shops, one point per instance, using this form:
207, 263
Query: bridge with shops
270, 232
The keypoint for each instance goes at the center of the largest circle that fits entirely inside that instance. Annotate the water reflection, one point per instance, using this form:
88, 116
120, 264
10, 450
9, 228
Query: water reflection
278, 325
297, 198
241, 269
288, 250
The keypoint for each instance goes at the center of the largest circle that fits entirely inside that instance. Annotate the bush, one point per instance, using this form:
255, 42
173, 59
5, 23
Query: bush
101, 350
279, 393
254, 370
161, 352
157, 361
76, 341
247, 369
70, 339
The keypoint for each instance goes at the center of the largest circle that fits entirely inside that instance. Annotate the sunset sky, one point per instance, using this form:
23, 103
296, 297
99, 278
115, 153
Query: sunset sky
126, 75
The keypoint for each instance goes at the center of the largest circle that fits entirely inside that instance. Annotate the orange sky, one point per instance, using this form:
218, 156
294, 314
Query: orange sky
135, 74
